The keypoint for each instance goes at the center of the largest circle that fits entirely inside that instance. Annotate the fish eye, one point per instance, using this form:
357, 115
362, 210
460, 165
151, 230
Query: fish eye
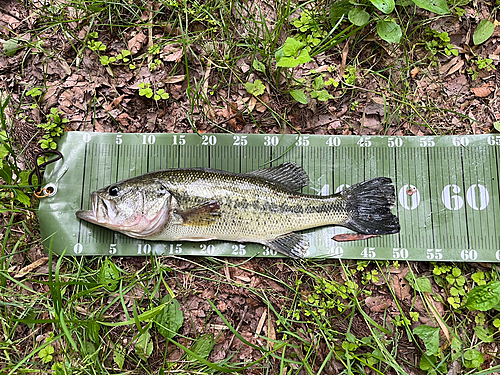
113, 191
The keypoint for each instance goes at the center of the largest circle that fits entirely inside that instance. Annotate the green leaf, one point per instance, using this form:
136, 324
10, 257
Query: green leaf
358, 16
292, 47
430, 337
170, 319
109, 275
473, 358
203, 346
3, 151
321, 95
484, 334
45, 354
429, 363
422, 284
292, 53
292, 62
144, 346
496, 125
255, 88
390, 31
58, 368
483, 32
435, 6
88, 348
386, 6
318, 83
23, 198
257, 65
149, 314
119, 356
484, 297
11, 46
299, 96
339, 9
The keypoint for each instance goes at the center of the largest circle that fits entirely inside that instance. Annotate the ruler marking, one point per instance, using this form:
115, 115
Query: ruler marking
117, 161
496, 211
461, 154
83, 190
431, 217
396, 193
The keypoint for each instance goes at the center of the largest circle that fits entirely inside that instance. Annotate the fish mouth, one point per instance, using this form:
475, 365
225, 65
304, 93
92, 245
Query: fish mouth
104, 213
92, 215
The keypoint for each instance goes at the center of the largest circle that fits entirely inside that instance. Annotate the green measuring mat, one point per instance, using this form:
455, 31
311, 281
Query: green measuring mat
447, 190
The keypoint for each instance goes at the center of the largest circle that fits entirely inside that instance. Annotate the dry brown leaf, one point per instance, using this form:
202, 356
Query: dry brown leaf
136, 43
262, 320
414, 72
243, 278
172, 53
483, 91
444, 68
30, 267
252, 103
271, 333
174, 79
401, 287
377, 305
115, 102
345, 52
456, 68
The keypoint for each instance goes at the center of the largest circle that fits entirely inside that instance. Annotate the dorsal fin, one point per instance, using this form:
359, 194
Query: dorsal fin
288, 175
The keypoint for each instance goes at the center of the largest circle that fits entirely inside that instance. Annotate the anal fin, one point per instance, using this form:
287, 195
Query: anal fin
200, 215
291, 244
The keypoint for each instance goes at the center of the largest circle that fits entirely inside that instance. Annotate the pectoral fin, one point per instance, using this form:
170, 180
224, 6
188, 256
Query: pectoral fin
291, 244
200, 215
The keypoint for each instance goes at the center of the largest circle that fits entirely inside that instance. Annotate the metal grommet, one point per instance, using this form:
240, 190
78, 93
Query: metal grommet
51, 189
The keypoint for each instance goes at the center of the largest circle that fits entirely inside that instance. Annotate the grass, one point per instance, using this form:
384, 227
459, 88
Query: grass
195, 316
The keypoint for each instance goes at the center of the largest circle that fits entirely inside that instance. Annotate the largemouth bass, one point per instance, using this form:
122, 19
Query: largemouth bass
263, 206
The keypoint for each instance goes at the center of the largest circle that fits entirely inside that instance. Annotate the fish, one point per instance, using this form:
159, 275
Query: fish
264, 206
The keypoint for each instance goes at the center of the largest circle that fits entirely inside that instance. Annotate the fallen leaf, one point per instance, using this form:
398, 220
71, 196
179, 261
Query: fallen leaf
377, 305
174, 79
402, 288
483, 91
243, 278
444, 68
136, 43
414, 72
115, 103
171, 53
456, 68
262, 320
30, 267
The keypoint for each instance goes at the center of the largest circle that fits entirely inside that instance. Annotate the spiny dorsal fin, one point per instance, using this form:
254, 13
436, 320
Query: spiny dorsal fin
291, 244
288, 175
200, 215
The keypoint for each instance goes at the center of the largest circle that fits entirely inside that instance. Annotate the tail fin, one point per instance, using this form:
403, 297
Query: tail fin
370, 204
